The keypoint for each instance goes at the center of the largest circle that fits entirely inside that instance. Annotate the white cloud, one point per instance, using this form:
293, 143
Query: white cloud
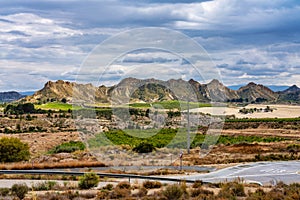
22, 76
252, 39
28, 27
150, 57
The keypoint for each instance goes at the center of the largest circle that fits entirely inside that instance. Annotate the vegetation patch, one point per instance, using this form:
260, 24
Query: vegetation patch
13, 150
173, 138
144, 148
88, 180
57, 106
68, 147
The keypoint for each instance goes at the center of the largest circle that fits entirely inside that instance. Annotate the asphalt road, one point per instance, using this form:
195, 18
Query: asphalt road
263, 173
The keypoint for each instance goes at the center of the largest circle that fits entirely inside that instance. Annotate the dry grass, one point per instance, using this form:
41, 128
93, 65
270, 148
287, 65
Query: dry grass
27, 165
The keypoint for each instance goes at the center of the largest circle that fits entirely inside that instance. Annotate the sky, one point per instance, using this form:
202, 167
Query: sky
246, 40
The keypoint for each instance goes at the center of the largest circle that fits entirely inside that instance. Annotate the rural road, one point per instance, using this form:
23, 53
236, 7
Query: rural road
263, 173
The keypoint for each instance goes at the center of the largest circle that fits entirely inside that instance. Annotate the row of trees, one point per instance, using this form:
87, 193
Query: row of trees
25, 108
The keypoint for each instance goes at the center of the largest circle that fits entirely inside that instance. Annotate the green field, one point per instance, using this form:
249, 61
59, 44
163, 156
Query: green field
168, 138
56, 106
179, 105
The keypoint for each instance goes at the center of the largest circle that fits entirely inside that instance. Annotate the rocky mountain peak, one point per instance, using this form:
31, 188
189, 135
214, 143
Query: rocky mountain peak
293, 88
150, 90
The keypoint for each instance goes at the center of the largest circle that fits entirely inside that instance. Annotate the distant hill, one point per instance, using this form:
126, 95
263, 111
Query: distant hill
275, 88
257, 93
292, 94
27, 93
10, 96
59, 90
152, 90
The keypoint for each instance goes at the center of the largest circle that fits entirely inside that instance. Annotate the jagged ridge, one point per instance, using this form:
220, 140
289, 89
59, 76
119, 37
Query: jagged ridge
151, 90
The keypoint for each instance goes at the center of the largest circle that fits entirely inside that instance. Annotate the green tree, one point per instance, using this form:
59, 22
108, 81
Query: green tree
13, 150
64, 100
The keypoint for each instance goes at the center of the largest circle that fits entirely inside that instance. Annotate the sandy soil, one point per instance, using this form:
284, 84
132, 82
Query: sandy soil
279, 111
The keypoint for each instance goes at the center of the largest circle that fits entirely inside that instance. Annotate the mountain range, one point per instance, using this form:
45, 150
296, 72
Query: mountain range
152, 90
10, 96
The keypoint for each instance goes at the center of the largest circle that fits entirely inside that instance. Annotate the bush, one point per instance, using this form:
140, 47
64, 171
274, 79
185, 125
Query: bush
124, 185
199, 192
68, 147
152, 184
4, 191
258, 194
108, 187
142, 192
13, 150
276, 194
173, 192
47, 185
197, 184
119, 193
88, 181
232, 189
20, 190
144, 147
102, 194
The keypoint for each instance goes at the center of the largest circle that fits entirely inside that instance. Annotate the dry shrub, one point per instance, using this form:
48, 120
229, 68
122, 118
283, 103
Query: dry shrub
88, 195
142, 192
118, 193
124, 185
59, 196
197, 184
199, 192
258, 194
275, 194
102, 194
108, 187
28, 165
173, 192
232, 189
152, 184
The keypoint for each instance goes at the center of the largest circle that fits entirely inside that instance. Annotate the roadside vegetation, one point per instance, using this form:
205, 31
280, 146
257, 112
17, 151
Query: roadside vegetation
154, 190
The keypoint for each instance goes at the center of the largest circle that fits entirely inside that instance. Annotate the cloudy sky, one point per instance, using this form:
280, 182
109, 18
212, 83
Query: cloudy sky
247, 40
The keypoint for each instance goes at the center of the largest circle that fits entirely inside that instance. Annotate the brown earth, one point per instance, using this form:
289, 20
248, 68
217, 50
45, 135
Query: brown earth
42, 142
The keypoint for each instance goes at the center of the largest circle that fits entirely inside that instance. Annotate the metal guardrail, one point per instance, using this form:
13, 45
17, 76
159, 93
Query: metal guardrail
129, 176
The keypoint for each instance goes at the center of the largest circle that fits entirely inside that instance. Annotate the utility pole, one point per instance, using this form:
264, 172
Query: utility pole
180, 157
188, 127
